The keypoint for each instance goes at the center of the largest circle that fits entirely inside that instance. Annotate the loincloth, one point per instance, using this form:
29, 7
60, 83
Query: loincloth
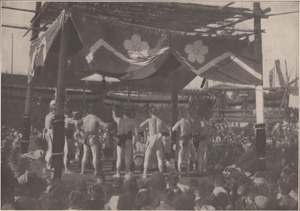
123, 138
87, 138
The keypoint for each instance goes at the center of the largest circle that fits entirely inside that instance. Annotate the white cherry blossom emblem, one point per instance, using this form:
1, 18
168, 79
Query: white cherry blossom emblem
136, 47
196, 51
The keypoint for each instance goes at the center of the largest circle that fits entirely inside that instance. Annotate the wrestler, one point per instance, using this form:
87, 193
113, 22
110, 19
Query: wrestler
184, 141
48, 133
201, 142
90, 124
69, 142
156, 126
128, 131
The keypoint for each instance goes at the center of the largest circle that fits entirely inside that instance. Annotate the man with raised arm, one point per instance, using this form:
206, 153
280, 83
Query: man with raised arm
90, 124
184, 141
156, 128
127, 134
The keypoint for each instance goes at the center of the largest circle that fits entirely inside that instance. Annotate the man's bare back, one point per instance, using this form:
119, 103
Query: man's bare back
91, 123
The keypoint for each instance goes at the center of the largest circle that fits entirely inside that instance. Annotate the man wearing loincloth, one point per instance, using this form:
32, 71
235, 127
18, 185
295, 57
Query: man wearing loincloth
156, 126
201, 141
90, 124
127, 134
69, 147
184, 141
48, 133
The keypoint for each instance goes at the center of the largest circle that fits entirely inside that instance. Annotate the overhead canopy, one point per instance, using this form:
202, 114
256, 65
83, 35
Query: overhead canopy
141, 55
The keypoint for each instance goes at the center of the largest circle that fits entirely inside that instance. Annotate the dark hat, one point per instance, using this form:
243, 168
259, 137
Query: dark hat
194, 183
173, 178
222, 200
56, 194
142, 184
81, 186
125, 202
157, 181
168, 196
96, 191
74, 199
130, 186
117, 183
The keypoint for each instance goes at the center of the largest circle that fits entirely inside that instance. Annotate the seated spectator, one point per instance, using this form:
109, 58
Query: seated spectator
167, 200
262, 202
97, 201
100, 177
172, 180
130, 187
183, 203
81, 186
248, 160
54, 200
157, 185
293, 181
125, 202
117, 186
74, 200
219, 183
142, 200
286, 202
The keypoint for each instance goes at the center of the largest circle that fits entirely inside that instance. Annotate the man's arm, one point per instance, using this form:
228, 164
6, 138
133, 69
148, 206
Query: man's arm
78, 124
144, 123
175, 127
101, 123
116, 119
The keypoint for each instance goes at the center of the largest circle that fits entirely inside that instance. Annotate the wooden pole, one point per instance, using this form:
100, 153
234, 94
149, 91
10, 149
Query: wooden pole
260, 126
174, 107
29, 94
58, 129
12, 53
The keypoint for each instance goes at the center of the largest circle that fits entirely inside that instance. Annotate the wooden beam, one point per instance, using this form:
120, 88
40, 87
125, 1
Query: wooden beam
19, 9
226, 5
229, 24
22, 27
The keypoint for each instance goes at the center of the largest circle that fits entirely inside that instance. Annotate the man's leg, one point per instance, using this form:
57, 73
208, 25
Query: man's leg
66, 152
180, 155
147, 158
119, 161
187, 157
95, 153
86, 150
204, 164
159, 154
128, 155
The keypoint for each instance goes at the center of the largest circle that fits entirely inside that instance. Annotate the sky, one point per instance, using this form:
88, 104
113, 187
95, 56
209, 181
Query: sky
281, 40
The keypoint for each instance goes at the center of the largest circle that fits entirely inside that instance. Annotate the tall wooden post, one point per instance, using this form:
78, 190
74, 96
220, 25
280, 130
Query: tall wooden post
259, 95
174, 107
58, 128
29, 92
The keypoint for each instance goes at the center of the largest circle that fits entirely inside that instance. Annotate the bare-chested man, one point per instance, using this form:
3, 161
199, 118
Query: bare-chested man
70, 123
48, 133
156, 126
90, 124
205, 131
184, 141
127, 133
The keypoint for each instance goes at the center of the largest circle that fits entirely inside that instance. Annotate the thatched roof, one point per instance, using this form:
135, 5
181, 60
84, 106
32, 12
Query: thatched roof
176, 17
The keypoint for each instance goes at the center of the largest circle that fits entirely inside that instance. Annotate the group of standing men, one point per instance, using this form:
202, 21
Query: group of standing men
128, 135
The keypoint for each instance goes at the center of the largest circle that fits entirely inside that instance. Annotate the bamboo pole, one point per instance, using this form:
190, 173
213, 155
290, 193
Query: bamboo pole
29, 95
58, 129
260, 126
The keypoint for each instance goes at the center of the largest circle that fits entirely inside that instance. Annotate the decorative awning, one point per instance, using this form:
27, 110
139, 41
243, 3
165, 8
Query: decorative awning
143, 56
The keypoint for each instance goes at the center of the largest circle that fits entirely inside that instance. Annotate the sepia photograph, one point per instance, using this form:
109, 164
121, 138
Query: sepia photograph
157, 105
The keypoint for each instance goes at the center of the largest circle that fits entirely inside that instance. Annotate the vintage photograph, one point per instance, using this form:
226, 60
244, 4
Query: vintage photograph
157, 105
